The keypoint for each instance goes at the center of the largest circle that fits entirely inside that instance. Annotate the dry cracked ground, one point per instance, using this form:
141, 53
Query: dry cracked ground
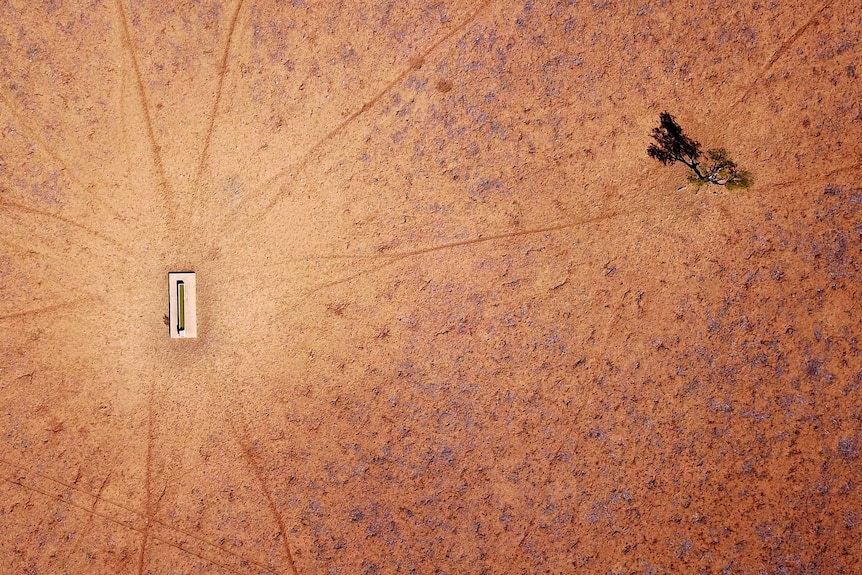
453, 319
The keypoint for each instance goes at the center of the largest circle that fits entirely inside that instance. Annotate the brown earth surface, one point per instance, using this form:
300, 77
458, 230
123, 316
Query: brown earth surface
452, 318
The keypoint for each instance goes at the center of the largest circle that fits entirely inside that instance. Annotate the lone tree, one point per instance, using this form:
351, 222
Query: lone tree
672, 146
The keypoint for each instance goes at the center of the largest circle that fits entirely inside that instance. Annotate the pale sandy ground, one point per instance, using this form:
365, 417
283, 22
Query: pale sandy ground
452, 318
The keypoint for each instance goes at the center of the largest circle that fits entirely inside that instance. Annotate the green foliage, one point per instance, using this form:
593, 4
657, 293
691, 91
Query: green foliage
721, 171
697, 182
742, 181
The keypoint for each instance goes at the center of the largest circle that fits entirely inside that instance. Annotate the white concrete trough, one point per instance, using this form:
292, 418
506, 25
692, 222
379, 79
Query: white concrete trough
183, 304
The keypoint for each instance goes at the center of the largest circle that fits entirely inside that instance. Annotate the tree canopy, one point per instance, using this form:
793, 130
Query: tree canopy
672, 145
